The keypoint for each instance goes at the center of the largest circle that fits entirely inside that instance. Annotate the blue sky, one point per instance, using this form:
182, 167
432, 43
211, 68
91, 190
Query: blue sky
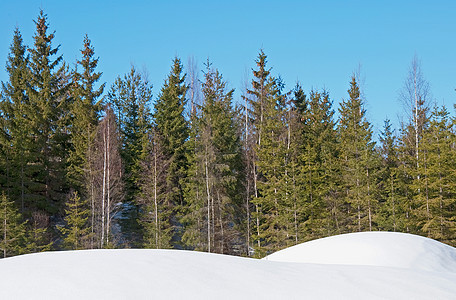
319, 43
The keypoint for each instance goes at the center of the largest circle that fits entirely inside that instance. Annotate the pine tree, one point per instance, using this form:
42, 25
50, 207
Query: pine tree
13, 238
358, 161
172, 128
76, 232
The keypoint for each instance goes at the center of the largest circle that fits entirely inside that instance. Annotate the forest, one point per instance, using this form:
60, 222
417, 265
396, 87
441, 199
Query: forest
86, 166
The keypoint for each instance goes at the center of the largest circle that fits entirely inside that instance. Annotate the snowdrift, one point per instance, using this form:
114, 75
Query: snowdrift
173, 274
385, 249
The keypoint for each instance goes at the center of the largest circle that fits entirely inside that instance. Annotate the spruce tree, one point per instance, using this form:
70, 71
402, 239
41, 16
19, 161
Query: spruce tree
215, 171
130, 98
76, 232
15, 135
85, 111
437, 144
172, 128
358, 161
47, 90
13, 232
392, 184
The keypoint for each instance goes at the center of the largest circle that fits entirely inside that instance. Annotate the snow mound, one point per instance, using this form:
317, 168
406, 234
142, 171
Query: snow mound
174, 274
385, 249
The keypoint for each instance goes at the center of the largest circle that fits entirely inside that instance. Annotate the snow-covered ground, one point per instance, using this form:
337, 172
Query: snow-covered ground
374, 265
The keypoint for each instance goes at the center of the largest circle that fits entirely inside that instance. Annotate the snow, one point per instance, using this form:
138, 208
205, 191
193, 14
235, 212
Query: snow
398, 266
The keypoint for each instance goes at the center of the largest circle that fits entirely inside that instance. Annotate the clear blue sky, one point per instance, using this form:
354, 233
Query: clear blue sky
319, 43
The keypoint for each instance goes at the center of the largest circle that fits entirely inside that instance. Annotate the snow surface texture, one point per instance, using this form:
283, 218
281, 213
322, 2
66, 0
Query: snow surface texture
353, 266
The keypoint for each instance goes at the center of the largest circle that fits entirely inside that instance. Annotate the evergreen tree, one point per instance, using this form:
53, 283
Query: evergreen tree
438, 147
215, 171
172, 129
392, 214
358, 161
319, 168
85, 111
130, 98
270, 157
47, 89
15, 135
76, 232
13, 238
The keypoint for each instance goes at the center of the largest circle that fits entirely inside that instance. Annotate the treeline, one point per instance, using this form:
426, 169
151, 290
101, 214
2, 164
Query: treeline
189, 169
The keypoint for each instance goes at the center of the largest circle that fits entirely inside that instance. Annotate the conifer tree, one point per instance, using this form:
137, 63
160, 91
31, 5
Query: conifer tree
15, 136
130, 98
85, 111
391, 215
268, 113
47, 90
76, 232
437, 143
13, 237
172, 129
358, 161
319, 168
215, 172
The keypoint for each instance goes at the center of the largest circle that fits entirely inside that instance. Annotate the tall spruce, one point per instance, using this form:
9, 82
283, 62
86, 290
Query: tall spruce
318, 168
268, 111
15, 137
47, 90
172, 128
215, 170
130, 98
437, 213
358, 162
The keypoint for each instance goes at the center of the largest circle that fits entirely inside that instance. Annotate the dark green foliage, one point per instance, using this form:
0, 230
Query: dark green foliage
172, 129
358, 161
85, 111
76, 232
215, 172
47, 90
13, 237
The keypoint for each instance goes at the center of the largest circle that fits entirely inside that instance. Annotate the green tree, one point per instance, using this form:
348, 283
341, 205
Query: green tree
173, 130
15, 140
47, 90
85, 112
215, 172
13, 237
318, 168
358, 161
76, 232
438, 145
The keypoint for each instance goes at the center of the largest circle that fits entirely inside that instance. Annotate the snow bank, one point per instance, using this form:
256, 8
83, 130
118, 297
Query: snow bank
173, 274
385, 249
